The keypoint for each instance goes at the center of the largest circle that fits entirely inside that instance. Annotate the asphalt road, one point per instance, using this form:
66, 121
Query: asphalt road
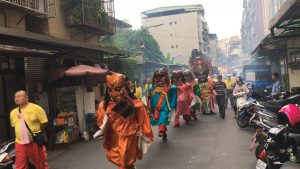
209, 143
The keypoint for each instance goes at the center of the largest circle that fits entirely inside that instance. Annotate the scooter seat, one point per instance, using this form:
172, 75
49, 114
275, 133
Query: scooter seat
271, 107
270, 123
274, 114
290, 165
290, 100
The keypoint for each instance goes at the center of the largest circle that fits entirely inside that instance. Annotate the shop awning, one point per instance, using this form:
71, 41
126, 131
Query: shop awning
21, 50
31, 40
286, 22
270, 46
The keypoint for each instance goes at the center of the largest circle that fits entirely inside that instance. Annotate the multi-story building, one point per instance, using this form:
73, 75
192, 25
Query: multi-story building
252, 31
212, 49
281, 44
178, 30
229, 54
38, 36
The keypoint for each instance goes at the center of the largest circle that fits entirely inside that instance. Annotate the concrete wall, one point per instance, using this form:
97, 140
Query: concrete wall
13, 19
179, 35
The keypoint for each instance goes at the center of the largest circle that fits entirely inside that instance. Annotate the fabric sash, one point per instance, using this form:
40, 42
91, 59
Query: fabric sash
24, 133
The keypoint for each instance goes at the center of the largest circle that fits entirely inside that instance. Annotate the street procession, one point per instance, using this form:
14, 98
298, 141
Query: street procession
147, 84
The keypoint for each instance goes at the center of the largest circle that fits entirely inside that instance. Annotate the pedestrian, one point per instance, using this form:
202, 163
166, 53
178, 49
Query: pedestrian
32, 116
234, 78
220, 90
162, 101
124, 120
229, 92
138, 90
184, 97
276, 87
189, 78
240, 91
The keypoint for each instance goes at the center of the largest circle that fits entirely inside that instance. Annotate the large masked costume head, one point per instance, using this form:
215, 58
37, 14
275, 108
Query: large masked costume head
188, 76
200, 66
177, 77
118, 92
115, 86
161, 78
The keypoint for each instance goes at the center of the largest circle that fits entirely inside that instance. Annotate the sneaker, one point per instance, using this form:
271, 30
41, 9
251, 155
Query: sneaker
176, 125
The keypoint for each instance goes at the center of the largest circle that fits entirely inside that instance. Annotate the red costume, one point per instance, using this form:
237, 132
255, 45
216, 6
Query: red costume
184, 97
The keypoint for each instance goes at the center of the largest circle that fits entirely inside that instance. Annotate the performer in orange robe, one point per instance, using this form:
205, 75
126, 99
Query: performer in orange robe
127, 119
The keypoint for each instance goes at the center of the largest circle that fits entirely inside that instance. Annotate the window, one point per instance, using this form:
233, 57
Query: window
172, 46
171, 34
259, 76
175, 22
176, 46
170, 23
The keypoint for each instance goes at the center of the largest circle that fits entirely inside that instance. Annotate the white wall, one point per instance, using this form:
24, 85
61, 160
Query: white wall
180, 31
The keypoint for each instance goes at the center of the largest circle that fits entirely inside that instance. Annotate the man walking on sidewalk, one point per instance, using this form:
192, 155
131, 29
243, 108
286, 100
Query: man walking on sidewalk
35, 118
220, 90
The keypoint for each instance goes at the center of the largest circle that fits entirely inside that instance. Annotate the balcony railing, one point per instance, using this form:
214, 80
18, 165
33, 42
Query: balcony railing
96, 20
36, 7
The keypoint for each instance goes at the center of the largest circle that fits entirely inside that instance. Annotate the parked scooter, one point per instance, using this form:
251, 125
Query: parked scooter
283, 143
8, 155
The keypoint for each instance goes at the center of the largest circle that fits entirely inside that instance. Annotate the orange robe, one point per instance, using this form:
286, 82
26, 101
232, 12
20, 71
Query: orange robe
122, 134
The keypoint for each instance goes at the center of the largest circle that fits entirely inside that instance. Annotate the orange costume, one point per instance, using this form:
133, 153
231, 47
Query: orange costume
127, 120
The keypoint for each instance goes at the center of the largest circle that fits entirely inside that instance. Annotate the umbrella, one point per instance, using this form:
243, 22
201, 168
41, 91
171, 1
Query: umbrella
79, 71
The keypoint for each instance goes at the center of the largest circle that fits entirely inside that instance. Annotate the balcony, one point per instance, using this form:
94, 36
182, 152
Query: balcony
40, 8
91, 16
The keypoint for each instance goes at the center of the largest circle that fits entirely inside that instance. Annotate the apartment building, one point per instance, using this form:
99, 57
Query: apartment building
252, 30
40, 36
280, 45
178, 30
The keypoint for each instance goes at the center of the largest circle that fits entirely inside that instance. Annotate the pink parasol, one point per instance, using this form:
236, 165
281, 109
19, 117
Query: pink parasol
84, 70
77, 71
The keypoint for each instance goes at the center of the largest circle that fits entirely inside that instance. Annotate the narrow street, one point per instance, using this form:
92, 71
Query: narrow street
209, 143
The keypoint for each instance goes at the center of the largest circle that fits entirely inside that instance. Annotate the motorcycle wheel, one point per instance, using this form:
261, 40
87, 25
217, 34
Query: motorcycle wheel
242, 122
258, 150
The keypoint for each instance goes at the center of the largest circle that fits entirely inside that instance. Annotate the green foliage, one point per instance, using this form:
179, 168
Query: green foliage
129, 67
131, 41
91, 9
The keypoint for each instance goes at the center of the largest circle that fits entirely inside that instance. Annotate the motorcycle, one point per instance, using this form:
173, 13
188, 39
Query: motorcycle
263, 114
280, 147
8, 155
283, 143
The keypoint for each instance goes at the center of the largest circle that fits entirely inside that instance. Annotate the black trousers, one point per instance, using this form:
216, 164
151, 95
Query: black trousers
221, 103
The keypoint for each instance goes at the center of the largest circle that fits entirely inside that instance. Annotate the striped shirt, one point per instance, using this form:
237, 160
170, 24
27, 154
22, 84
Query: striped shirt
220, 88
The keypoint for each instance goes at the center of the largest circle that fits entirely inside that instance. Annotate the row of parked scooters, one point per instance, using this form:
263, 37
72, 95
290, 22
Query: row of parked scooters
276, 120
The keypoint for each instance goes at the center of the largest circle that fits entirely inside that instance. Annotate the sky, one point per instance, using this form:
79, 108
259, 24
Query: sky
223, 16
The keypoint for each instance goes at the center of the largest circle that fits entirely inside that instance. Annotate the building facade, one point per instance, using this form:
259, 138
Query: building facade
181, 29
280, 46
40, 36
252, 30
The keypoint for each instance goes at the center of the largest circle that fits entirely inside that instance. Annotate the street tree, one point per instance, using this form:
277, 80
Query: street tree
136, 41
